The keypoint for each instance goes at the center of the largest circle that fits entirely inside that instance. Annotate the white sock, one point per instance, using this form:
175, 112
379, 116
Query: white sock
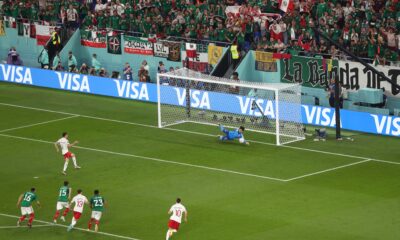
73, 222
167, 237
74, 160
65, 166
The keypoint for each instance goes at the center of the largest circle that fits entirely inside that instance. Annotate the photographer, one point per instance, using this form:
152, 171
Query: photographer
43, 58
13, 57
72, 63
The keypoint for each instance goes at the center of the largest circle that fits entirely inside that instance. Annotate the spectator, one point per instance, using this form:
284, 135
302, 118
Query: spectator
145, 77
145, 66
161, 67
13, 57
43, 58
95, 63
84, 69
102, 72
72, 17
72, 63
234, 89
127, 72
115, 75
56, 61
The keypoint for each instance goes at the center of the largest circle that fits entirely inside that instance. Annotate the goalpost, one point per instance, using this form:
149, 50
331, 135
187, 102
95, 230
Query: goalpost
186, 96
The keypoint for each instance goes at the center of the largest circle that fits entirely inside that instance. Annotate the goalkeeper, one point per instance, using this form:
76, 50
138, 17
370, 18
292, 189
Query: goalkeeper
233, 134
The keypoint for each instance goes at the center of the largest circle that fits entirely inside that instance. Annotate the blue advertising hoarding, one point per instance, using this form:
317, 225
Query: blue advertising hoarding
314, 115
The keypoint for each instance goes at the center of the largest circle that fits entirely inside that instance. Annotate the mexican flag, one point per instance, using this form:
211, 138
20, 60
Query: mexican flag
191, 50
286, 5
95, 39
114, 43
43, 34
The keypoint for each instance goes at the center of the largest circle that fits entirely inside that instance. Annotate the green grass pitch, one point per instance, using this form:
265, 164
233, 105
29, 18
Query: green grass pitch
307, 190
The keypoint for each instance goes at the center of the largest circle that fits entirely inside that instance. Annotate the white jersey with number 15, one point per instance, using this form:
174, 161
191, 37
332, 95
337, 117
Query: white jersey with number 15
177, 211
80, 202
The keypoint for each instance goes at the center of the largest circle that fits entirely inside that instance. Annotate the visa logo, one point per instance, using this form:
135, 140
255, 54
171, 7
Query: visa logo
387, 124
198, 99
16, 74
133, 90
74, 82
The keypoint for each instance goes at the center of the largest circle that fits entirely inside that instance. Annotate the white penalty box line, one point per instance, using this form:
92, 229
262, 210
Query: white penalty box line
50, 224
364, 159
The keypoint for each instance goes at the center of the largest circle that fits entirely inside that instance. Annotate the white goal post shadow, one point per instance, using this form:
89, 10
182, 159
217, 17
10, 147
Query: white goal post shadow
275, 88
362, 159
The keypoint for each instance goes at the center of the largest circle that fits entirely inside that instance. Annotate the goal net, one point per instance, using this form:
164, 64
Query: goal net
186, 96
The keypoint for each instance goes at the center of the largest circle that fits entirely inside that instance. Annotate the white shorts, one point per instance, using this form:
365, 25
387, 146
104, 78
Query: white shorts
96, 215
61, 205
26, 210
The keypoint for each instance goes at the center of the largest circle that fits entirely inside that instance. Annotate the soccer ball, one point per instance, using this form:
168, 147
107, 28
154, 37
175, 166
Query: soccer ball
241, 140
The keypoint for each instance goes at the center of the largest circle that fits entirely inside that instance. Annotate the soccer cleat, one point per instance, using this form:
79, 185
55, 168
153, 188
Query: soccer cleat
18, 223
62, 218
55, 221
77, 167
69, 228
63, 173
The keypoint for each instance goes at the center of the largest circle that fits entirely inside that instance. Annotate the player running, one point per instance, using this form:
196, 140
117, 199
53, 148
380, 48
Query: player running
79, 201
233, 134
177, 210
97, 204
64, 144
25, 201
64, 196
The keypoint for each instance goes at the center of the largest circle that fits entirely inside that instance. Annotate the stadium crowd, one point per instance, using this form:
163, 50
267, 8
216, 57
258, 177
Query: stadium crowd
368, 28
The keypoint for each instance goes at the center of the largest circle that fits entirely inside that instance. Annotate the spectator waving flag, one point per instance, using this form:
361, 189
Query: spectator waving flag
191, 50
286, 5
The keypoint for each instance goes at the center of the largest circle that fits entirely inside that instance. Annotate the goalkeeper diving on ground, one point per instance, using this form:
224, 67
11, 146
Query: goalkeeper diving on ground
230, 135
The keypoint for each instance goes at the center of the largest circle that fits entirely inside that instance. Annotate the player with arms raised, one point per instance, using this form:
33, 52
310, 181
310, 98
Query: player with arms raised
64, 144
64, 196
79, 201
232, 134
25, 201
177, 210
97, 203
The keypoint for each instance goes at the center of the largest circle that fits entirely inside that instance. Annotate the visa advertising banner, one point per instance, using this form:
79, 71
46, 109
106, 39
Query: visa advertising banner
211, 101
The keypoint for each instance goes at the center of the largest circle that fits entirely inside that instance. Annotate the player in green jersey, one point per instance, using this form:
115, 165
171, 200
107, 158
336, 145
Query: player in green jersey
97, 204
25, 201
64, 195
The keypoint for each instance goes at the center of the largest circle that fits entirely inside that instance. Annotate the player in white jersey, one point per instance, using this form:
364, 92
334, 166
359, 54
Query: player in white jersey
79, 201
64, 145
177, 210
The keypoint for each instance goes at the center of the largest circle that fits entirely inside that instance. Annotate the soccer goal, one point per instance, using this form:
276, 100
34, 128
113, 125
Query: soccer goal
186, 96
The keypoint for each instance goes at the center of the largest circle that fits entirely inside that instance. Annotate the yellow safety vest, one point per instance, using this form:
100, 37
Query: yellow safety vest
56, 39
234, 52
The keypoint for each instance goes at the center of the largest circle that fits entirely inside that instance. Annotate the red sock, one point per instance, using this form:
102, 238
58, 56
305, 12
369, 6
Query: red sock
97, 223
90, 223
22, 218
31, 217
65, 212
56, 215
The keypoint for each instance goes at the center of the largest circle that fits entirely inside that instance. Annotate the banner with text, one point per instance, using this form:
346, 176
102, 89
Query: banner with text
208, 101
312, 72
135, 45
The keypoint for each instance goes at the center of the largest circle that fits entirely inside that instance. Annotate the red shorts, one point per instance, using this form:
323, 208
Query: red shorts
68, 155
77, 215
173, 224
